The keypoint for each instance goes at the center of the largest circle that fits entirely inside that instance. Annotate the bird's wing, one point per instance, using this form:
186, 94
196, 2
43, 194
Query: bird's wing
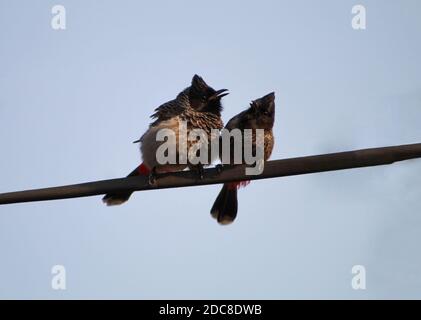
166, 111
162, 113
234, 122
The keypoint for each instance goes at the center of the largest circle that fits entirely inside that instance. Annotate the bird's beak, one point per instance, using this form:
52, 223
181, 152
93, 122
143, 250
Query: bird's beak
219, 94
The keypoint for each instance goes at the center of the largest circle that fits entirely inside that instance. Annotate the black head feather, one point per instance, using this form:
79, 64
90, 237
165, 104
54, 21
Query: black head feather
262, 111
204, 98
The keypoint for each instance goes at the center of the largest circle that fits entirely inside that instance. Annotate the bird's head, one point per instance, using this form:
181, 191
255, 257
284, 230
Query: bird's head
262, 111
204, 98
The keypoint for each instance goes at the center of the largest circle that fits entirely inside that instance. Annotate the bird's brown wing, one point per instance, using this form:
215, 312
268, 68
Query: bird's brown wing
171, 109
235, 122
165, 112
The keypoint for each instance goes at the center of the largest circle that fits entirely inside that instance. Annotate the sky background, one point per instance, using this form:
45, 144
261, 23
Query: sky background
72, 101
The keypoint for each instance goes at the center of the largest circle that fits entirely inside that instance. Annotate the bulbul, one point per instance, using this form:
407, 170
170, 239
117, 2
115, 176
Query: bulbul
199, 106
260, 115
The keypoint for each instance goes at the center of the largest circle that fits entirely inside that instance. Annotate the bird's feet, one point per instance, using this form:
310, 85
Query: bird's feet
152, 177
200, 171
219, 168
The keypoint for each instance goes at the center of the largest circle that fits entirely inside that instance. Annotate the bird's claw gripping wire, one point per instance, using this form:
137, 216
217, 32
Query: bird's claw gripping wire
152, 177
219, 168
200, 171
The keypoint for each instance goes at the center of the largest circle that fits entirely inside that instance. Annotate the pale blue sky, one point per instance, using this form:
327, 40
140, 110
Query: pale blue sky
71, 103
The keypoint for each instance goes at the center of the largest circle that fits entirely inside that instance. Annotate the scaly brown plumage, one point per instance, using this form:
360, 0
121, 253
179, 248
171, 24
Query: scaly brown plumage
199, 106
260, 115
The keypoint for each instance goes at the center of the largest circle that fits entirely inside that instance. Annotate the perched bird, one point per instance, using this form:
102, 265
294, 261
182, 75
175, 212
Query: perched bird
199, 106
260, 115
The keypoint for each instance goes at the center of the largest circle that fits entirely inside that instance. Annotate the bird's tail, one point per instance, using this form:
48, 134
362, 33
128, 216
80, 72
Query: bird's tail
117, 198
224, 210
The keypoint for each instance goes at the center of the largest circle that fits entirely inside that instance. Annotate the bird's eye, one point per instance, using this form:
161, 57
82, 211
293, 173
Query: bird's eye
266, 113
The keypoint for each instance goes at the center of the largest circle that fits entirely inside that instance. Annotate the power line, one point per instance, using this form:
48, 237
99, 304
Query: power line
272, 169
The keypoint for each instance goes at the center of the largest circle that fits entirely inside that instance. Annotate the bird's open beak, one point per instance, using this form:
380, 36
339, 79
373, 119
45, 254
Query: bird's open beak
219, 94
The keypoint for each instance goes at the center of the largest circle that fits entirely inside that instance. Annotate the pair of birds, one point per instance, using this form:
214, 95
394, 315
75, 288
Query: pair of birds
199, 105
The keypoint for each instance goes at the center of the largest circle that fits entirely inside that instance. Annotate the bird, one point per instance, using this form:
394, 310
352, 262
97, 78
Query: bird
260, 115
200, 107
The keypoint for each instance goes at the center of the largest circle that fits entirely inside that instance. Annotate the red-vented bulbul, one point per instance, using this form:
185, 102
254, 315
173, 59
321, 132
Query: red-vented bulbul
199, 106
260, 115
